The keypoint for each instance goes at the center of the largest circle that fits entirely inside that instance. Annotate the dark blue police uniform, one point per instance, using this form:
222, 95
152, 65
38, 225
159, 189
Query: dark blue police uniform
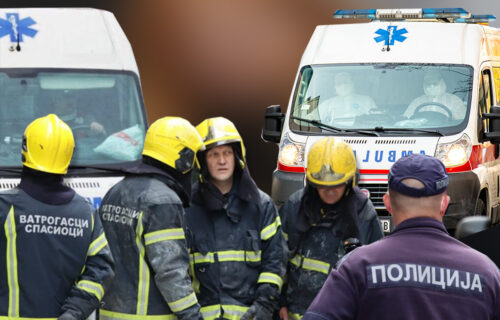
417, 272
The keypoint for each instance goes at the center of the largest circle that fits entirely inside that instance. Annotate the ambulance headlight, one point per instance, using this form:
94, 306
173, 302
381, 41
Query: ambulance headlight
291, 153
456, 153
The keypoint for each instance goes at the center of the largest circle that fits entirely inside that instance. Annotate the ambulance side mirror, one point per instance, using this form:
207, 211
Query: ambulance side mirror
471, 225
494, 126
273, 124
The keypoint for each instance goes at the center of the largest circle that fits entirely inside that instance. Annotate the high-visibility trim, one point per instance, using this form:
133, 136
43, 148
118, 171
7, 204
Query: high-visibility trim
23, 318
311, 264
195, 283
294, 316
92, 221
211, 312
271, 229
226, 256
199, 258
162, 235
111, 315
91, 287
184, 303
12, 278
269, 277
144, 274
238, 255
97, 245
233, 312
285, 236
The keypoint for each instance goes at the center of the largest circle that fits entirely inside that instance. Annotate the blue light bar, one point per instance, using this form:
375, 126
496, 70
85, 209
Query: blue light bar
403, 14
357, 13
478, 18
435, 13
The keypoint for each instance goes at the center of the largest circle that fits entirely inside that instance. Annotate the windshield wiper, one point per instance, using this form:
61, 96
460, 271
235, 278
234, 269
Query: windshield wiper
11, 170
382, 129
334, 129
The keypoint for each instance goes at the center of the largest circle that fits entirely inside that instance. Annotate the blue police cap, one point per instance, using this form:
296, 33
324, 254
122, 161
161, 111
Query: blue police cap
426, 169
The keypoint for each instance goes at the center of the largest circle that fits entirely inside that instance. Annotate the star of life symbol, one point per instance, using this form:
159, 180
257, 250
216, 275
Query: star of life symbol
390, 35
16, 27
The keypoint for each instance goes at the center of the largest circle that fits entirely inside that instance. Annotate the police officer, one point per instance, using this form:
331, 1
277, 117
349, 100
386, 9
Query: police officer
143, 218
54, 255
418, 271
234, 236
318, 219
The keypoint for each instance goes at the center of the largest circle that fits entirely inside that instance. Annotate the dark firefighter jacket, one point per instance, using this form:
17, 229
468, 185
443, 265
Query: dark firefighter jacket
236, 249
54, 256
142, 216
315, 242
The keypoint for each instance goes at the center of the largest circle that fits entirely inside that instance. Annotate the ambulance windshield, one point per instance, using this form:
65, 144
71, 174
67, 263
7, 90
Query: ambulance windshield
104, 110
371, 96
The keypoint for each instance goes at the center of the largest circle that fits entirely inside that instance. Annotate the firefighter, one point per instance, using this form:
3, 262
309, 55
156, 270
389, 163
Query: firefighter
56, 263
234, 232
143, 218
318, 219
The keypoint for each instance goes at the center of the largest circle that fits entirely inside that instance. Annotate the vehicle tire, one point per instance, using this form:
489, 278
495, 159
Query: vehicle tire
480, 209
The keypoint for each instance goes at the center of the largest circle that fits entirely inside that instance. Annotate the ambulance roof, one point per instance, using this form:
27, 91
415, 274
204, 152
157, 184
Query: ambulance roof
75, 38
402, 42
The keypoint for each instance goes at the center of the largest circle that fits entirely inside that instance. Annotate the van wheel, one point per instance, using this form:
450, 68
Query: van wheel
480, 208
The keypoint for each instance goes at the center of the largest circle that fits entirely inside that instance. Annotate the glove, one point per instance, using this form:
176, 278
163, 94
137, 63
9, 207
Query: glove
257, 311
67, 316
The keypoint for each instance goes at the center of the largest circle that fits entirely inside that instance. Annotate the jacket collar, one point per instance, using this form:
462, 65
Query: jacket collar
157, 173
420, 222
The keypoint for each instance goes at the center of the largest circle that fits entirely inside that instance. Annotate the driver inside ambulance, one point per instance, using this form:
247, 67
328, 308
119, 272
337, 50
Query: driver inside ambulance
436, 99
65, 106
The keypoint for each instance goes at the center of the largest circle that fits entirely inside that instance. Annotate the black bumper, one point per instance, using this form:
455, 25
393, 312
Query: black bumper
463, 190
284, 184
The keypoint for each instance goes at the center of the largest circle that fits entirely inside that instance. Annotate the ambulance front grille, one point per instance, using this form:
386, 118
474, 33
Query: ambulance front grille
396, 141
355, 141
83, 185
382, 141
377, 191
8, 185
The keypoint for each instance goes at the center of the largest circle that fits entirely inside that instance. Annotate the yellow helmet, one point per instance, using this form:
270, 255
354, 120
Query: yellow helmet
48, 145
330, 162
174, 142
219, 131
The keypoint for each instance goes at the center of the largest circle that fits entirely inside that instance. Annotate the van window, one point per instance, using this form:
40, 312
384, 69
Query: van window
83, 99
496, 81
382, 95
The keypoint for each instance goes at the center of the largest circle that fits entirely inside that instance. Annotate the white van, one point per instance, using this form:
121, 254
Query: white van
82, 58
410, 81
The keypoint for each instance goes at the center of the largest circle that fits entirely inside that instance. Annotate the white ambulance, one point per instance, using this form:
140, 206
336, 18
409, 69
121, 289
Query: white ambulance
409, 81
79, 64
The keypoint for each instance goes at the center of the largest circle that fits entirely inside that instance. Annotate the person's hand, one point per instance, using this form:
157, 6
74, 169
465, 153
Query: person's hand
284, 313
257, 312
97, 128
67, 316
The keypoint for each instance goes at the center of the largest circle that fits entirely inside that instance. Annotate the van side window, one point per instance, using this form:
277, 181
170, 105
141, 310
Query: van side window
485, 97
496, 81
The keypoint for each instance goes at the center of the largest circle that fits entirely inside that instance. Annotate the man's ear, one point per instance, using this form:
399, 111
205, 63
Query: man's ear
387, 202
445, 201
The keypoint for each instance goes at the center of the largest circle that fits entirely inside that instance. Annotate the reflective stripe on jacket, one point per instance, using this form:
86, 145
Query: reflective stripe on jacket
232, 252
53, 257
143, 218
314, 252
